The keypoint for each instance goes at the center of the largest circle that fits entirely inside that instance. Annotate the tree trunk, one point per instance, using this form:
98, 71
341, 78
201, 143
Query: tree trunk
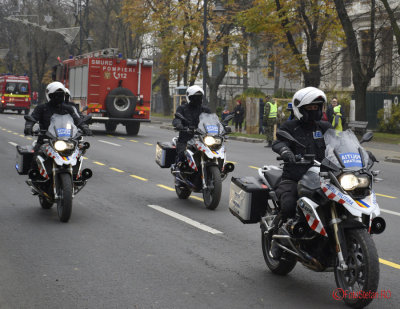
212, 104
166, 99
360, 91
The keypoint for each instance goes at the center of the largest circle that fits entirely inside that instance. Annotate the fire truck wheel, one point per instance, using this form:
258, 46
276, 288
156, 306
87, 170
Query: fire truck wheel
27, 112
110, 127
1, 110
19, 112
132, 128
121, 103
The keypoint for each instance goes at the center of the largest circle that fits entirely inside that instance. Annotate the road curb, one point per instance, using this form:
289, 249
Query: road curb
392, 159
238, 138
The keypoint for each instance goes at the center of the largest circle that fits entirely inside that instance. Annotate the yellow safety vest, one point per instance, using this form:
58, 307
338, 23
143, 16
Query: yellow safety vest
273, 112
339, 127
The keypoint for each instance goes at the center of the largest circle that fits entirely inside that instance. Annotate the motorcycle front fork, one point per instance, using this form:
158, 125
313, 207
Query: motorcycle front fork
334, 222
55, 172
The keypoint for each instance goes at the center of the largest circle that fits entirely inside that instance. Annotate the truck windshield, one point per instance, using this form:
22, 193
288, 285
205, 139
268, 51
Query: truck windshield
17, 88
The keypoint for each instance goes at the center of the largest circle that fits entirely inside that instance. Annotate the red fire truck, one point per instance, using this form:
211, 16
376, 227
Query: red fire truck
115, 90
15, 93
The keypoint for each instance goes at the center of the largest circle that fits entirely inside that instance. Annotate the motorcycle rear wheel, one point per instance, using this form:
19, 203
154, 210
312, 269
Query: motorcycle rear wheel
45, 203
64, 202
212, 195
182, 192
281, 267
362, 275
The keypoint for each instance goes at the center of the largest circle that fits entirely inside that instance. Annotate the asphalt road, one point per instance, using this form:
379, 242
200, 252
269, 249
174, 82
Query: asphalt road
120, 250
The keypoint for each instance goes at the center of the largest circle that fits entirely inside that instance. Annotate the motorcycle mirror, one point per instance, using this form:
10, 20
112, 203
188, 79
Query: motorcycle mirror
286, 136
366, 137
228, 130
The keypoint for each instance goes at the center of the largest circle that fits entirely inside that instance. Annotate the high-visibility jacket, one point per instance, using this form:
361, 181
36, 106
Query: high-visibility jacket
273, 111
337, 122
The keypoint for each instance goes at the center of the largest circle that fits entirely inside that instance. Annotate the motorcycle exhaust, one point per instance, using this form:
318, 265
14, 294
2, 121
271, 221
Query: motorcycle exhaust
378, 225
87, 173
228, 167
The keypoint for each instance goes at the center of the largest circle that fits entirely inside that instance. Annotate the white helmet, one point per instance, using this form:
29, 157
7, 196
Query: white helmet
307, 96
53, 87
67, 91
193, 90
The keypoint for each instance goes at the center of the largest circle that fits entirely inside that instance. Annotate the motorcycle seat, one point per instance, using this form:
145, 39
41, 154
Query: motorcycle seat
273, 177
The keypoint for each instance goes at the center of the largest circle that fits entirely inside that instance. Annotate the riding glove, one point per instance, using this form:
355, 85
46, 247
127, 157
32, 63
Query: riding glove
287, 155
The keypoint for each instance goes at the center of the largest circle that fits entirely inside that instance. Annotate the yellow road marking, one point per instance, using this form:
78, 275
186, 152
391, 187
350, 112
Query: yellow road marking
22, 135
388, 263
132, 140
138, 177
197, 198
30, 138
121, 138
85, 158
255, 167
117, 170
98, 163
148, 144
166, 188
9, 131
4, 129
388, 196
15, 133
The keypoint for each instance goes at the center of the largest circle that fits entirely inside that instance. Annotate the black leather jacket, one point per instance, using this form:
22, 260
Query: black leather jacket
311, 136
42, 114
192, 114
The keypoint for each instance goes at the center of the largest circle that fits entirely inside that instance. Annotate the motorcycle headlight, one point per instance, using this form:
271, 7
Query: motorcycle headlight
350, 182
60, 145
209, 140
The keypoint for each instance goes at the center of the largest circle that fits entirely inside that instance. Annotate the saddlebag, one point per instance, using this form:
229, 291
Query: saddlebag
248, 199
165, 154
24, 159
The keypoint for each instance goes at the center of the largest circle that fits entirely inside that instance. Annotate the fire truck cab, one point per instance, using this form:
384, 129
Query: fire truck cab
15, 93
115, 90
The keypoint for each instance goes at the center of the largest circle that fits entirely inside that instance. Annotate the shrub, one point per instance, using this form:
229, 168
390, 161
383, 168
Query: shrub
391, 125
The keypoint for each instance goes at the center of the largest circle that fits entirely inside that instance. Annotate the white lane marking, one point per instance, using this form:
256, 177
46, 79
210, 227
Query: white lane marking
14, 144
11, 118
109, 143
391, 212
187, 220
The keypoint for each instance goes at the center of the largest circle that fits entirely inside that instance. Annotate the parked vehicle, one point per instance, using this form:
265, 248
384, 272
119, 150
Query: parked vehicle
115, 90
206, 165
55, 170
15, 93
336, 214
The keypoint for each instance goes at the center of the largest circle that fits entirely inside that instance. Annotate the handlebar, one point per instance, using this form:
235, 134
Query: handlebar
300, 160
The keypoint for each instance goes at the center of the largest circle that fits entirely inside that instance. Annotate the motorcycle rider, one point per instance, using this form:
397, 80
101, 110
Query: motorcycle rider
191, 112
308, 129
55, 95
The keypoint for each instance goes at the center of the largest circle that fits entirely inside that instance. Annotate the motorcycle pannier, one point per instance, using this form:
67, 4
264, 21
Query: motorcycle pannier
24, 159
248, 199
165, 154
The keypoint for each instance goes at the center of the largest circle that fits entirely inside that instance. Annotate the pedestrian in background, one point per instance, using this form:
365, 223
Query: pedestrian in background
280, 117
329, 109
239, 116
269, 120
261, 113
225, 113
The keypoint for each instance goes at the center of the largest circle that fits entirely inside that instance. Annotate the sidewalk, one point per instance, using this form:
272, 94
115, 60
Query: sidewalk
382, 151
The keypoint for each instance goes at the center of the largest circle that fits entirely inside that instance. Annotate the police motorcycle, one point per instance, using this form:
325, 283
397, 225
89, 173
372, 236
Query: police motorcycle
205, 167
56, 175
336, 215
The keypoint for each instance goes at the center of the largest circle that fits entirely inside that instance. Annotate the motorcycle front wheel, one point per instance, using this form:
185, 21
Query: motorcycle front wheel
64, 202
212, 194
182, 192
362, 275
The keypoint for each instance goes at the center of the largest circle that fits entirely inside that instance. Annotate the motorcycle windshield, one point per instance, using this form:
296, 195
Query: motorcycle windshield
344, 149
209, 124
62, 126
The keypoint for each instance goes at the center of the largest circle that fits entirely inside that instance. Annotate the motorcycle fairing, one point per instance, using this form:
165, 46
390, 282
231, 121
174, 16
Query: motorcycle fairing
190, 159
218, 154
366, 206
308, 208
41, 166
61, 160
